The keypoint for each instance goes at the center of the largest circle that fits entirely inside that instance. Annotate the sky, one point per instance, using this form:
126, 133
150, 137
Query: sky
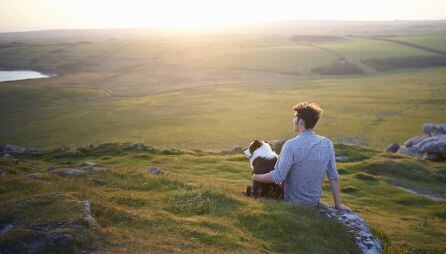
25, 15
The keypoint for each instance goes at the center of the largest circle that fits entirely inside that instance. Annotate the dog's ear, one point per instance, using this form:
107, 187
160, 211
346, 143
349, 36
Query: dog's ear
264, 141
256, 144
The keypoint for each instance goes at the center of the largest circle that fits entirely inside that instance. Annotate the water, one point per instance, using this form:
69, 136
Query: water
21, 75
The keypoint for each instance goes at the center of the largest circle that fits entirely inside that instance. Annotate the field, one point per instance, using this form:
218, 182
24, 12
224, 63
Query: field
212, 92
204, 94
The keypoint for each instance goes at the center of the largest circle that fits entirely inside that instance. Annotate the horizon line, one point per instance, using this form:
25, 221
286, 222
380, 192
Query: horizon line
166, 27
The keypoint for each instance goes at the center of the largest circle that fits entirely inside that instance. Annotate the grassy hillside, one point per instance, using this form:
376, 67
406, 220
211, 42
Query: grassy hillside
196, 204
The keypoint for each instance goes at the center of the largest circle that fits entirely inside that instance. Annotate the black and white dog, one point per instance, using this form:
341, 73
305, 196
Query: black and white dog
262, 159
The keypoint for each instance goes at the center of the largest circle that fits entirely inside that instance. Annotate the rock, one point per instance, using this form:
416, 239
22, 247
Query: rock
86, 205
51, 168
34, 243
432, 129
411, 151
12, 149
356, 226
154, 170
78, 171
2, 171
89, 164
142, 147
35, 150
61, 239
72, 172
90, 170
91, 221
413, 141
392, 148
341, 158
435, 144
34, 175
7, 156
276, 145
237, 148
87, 210
6, 228
431, 156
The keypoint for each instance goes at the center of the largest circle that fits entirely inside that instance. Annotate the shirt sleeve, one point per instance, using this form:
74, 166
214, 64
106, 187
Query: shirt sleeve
283, 164
332, 172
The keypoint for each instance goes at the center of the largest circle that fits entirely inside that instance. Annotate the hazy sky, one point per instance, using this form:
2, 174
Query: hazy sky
19, 15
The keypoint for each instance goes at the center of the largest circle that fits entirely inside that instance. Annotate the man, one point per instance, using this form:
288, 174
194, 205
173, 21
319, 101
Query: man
304, 160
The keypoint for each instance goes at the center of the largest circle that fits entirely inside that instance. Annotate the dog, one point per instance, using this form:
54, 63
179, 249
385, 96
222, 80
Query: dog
262, 159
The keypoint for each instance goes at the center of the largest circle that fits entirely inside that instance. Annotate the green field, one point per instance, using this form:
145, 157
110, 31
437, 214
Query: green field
211, 92
204, 94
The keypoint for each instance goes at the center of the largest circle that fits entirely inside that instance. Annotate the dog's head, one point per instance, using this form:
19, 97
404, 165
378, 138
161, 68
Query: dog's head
255, 145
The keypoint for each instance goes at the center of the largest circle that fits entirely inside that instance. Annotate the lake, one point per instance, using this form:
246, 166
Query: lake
21, 75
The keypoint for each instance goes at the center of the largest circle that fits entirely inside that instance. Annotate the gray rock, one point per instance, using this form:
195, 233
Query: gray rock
411, 151
7, 156
413, 141
35, 243
434, 129
237, 148
90, 170
86, 206
142, 147
51, 168
34, 175
392, 148
357, 227
78, 171
276, 145
2, 171
154, 170
72, 172
91, 221
6, 228
341, 158
12, 149
435, 144
61, 239
35, 150
89, 164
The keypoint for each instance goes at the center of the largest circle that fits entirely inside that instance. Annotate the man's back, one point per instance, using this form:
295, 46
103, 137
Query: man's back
302, 164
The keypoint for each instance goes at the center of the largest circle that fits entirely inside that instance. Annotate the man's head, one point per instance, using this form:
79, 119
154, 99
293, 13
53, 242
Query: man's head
306, 115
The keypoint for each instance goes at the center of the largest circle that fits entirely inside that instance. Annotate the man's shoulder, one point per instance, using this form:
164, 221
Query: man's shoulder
326, 140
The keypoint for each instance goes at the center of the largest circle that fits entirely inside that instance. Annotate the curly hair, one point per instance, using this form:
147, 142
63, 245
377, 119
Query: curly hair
309, 112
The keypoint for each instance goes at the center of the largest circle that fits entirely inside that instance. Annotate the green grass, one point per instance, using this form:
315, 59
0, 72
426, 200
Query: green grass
437, 42
197, 205
374, 110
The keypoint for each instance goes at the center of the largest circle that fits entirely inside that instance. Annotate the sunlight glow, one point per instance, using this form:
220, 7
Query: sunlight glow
45, 14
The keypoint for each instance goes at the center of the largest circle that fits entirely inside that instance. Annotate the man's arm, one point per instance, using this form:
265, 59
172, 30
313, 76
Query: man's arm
281, 169
333, 177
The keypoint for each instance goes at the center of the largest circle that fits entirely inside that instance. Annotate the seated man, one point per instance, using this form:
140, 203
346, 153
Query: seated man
304, 160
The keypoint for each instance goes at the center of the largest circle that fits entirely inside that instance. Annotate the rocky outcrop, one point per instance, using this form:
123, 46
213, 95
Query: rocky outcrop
25, 236
356, 226
430, 147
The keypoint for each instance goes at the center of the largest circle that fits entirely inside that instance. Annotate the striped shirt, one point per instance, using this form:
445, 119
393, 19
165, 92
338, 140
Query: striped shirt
302, 165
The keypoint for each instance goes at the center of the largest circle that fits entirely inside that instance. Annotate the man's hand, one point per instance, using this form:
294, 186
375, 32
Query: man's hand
263, 178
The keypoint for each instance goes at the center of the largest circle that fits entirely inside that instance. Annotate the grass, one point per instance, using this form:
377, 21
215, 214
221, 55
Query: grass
196, 205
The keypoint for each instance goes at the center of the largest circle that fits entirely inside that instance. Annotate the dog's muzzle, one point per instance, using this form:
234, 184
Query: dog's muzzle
247, 153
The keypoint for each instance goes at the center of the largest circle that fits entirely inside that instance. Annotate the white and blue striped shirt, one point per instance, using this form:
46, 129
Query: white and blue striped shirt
302, 165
